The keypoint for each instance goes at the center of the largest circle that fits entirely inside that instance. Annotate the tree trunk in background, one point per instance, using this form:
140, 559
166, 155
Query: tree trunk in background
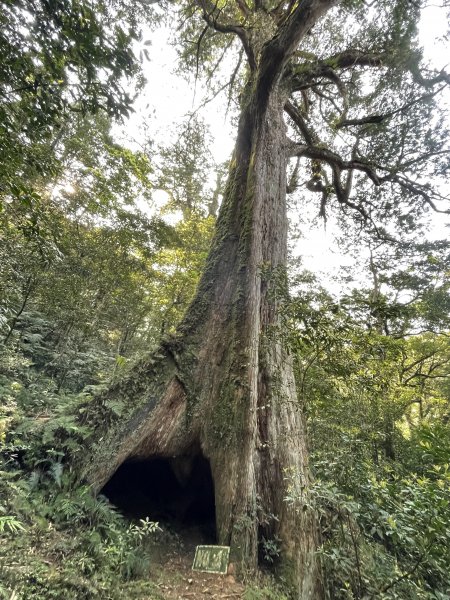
225, 382
28, 289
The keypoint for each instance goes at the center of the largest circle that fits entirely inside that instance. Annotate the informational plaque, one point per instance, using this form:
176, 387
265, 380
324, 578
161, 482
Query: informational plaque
211, 559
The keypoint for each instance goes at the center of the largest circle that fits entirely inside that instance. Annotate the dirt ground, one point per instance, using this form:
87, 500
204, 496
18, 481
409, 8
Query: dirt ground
177, 580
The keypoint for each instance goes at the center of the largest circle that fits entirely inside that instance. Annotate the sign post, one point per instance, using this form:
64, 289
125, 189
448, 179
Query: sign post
211, 559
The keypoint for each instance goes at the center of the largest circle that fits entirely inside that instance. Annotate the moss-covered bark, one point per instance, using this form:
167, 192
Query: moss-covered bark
222, 381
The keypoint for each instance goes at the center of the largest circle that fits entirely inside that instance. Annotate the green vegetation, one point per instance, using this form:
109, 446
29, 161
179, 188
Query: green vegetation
378, 408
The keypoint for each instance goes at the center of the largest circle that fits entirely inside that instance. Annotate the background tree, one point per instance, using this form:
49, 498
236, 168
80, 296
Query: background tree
60, 60
93, 254
374, 449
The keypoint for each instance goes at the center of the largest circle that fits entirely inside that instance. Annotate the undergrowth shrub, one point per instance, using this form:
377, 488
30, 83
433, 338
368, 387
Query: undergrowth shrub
64, 543
385, 531
58, 540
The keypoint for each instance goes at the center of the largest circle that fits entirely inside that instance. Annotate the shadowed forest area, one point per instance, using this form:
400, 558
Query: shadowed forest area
171, 373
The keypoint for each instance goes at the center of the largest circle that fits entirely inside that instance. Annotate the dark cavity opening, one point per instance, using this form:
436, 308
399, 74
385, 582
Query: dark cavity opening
177, 492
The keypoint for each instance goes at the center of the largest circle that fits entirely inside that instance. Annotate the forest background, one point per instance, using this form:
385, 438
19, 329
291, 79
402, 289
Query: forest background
95, 269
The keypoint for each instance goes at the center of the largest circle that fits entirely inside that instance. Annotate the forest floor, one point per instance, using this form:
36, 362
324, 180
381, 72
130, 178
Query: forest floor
172, 569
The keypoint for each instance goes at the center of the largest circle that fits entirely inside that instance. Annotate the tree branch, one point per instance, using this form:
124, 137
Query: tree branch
416, 189
407, 574
334, 160
277, 52
211, 15
308, 135
244, 8
379, 118
337, 165
280, 13
354, 57
328, 66
442, 77
418, 361
197, 56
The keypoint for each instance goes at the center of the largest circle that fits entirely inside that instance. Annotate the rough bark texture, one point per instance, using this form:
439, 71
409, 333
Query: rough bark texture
225, 382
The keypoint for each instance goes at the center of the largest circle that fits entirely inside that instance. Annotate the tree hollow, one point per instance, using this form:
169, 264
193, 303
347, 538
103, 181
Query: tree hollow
178, 492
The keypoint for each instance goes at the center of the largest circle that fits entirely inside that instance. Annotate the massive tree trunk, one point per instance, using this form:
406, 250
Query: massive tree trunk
224, 383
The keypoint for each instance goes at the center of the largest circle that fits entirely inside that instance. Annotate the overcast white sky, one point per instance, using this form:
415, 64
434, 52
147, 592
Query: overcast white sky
167, 98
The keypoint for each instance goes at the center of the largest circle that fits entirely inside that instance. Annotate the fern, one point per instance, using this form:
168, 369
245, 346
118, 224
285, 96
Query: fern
11, 524
116, 407
56, 471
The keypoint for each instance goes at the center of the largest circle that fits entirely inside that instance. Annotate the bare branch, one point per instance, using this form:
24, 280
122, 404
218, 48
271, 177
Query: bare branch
211, 15
308, 135
417, 189
334, 77
324, 96
233, 79
197, 57
219, 60
442, 77
334, 160
354, 57
244, 8
422, 157
210, 99
379, 118
293, 180
310, 71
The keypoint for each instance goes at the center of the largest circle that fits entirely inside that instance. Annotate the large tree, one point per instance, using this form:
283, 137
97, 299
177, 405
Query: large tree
339, 86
